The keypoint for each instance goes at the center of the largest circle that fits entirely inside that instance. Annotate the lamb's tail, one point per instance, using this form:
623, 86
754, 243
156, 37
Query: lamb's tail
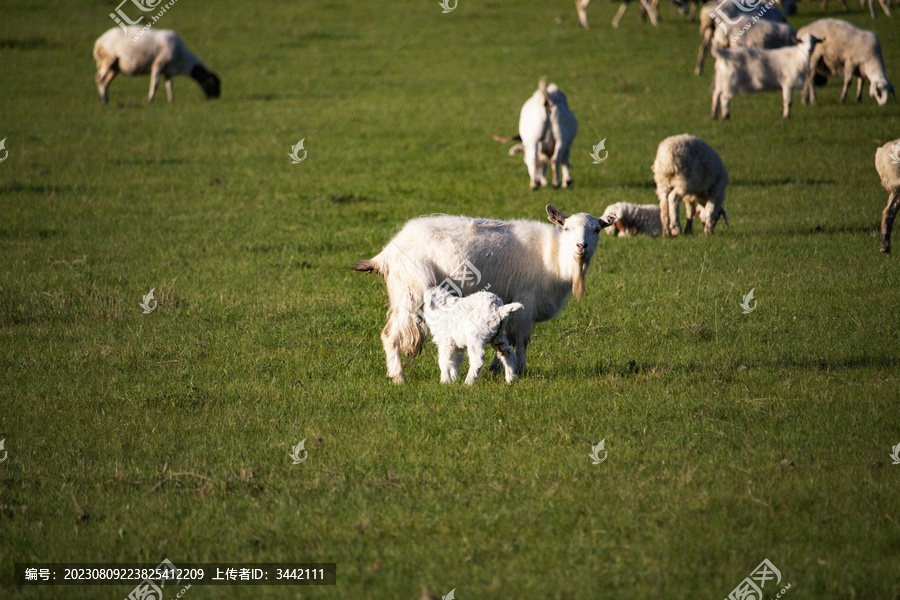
507, 139
508, 309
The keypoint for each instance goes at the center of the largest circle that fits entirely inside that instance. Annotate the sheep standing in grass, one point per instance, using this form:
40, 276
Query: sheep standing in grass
749, 70
644, 219
534, 264
471, 322
648, 8
687, 168
721, 24
887, 163
546, 127
848, 51
137, 51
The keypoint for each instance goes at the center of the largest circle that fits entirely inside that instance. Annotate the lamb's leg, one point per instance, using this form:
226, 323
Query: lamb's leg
505, 354
786, 94
476, 361
618, 17
887, 221
808, 95
169, 91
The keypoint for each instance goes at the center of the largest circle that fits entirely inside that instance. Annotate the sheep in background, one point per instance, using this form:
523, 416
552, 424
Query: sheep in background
544, 156
644, 219
887, 163
648, 8
723, 21
846, 50
687, 168
749, 70
532, 263
471, 322
138, 51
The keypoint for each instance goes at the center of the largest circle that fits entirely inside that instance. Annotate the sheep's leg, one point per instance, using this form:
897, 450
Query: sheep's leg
885, 6
662, 192
104, 78
532, 161
448, 360
887, 221
620, 14
390, 339
808, 95
170, 93
580, 7
704, 50
872, 8
154, 81
716, 99
692, 12
476, 361
848, 77
690, 209
859, 85
674, 205
564, 165
650, 8
786, 95
506, 355
554, 165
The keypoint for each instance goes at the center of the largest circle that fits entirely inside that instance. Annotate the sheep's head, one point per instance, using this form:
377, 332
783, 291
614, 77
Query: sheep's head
881, 90
808, 42
580, 233
207, 80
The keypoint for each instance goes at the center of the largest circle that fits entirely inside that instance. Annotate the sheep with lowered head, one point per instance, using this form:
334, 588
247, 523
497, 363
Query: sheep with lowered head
887, 163
687, 168
469, 323
139, 51
644, 219
534, 264
724, 24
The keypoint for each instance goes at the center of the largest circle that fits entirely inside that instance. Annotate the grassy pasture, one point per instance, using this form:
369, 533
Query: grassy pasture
731, 437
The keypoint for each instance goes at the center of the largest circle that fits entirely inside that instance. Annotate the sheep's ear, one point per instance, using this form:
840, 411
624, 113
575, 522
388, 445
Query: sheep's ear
607, 220
555, 215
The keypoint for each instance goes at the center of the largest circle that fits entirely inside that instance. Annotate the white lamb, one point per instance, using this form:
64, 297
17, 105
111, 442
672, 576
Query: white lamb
546, 126
749, 70
471, 322
848, 51
532, 263
722, 24
887, 163
643, 219
687, 168
158, 52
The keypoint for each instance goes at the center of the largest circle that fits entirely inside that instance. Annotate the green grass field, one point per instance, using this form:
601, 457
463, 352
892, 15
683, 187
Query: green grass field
731, 437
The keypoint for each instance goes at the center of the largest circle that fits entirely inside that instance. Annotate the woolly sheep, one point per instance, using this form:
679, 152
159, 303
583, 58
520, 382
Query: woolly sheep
138, 51
648, 8
643, 219
532, 263
749, 70
471, 322
687, 168
848, 51
887, 163
722, 22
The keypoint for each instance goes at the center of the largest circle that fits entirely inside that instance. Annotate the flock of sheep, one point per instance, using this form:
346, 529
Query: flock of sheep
532, 268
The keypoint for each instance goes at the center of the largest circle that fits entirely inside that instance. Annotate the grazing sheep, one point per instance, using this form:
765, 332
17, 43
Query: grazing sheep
137, 51
722, 22
687, 167
749, 70
470, 322
532, 263
644, 219
846, 50
544, 156
887, 163
648, 8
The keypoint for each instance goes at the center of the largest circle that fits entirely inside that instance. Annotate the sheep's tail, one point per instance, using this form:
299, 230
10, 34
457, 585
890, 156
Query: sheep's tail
507, 139
366, 266
542, 86
508, 309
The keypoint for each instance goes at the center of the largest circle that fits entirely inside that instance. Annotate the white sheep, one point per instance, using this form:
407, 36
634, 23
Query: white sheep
848, 51
722, 22
532, 263
546, 126
749, 70
644, 219
138, 51
471, 322
887, 163
648, 8
687, 168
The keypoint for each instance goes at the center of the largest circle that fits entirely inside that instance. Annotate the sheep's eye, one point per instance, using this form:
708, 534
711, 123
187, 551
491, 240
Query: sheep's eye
565, 228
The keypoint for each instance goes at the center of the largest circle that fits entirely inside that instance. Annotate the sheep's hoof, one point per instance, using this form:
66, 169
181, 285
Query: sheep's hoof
886, 248
398, 379
568, 184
